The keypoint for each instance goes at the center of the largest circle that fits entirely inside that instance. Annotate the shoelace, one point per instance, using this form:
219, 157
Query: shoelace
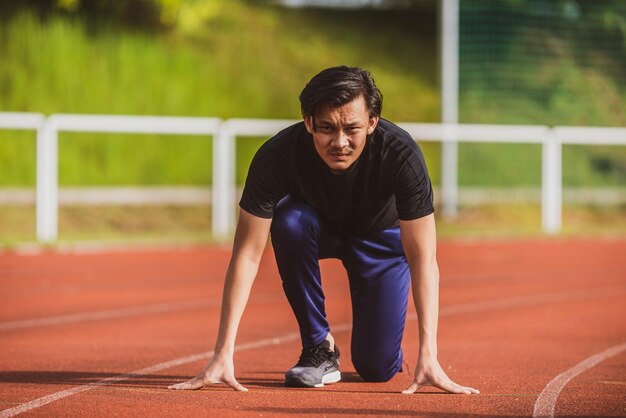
314, 356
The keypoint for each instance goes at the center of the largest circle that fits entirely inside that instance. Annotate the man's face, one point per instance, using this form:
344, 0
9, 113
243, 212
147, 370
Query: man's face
341, 132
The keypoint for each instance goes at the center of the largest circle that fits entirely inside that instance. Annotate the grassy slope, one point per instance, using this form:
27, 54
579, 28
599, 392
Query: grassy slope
242, 64
249, 62
167, 224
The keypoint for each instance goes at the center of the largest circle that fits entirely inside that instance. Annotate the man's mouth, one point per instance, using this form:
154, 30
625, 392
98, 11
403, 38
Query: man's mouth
339, 154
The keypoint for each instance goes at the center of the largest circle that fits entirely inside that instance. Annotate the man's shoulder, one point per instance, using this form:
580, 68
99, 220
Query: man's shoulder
281, 147
388, 135
389, 128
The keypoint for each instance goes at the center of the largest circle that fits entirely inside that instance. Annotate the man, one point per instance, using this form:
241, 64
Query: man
345, 184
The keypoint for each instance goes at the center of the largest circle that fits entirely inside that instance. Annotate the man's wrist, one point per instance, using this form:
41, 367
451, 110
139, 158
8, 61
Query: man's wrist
224, 351
428, 352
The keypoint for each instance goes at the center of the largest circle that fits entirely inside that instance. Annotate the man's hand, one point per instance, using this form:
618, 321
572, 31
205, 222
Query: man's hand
429, 373
250, 240
217, 371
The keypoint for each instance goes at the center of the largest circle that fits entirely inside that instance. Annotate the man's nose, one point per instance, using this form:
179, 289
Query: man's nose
340, 140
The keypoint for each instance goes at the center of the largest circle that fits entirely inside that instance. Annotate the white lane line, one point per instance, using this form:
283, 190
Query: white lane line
520, 301
197, 304
538, 299
450, 310
107, 314
546, 403
38, 403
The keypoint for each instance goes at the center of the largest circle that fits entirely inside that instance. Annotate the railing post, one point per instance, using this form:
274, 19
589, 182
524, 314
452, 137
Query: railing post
223, 199
449, 104
47, 181
552, 183
449, 171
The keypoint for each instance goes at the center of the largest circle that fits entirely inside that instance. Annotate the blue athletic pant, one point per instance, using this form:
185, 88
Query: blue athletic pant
379, 285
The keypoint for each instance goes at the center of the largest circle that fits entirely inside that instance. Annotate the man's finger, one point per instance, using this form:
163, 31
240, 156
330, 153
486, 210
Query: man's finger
236, 385
455, 388
471, 390
189, 385
411, 389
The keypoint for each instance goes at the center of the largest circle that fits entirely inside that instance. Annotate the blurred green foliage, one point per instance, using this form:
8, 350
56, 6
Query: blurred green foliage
545, 62
549, 62
239, 64
236, 58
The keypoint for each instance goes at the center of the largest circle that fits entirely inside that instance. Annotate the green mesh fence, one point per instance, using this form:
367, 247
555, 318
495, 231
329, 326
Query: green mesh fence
543, 62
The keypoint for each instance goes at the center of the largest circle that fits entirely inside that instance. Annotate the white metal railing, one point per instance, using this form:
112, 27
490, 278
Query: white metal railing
224, 166
21, 120
551, 184
224, 138
47, 161
36, 122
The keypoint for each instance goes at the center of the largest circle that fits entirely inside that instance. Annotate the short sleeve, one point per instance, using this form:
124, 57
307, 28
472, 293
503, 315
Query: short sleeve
413, 190
266, 183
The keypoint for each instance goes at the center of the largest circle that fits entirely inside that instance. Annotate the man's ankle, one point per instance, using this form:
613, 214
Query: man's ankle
331, 340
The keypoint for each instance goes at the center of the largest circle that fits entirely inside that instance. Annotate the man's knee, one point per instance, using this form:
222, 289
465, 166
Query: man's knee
376, 369
293, 220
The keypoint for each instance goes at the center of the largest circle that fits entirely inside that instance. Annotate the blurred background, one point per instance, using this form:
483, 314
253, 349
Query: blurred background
525, 62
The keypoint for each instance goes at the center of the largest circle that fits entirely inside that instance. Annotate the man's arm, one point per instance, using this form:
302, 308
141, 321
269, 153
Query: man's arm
250, 240
420, 246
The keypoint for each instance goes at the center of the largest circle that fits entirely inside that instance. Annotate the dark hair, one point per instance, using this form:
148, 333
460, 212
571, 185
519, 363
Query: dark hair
340, 85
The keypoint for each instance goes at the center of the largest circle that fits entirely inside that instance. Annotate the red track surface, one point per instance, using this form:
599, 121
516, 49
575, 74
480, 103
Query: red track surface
514, 315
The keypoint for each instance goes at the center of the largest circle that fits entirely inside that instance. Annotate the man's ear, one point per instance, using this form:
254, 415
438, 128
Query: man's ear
308, 123
372, 124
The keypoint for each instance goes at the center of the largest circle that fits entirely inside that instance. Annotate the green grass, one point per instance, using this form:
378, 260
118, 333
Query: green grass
241, 64
148, 159
192, 224
252, 61
593, 166
499, 165
17, 158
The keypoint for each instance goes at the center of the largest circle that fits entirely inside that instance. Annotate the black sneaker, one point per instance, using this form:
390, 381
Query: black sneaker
317, 365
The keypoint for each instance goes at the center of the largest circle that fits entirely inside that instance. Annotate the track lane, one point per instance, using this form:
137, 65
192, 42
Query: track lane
546, 402
452, 311
606, 378
459, 348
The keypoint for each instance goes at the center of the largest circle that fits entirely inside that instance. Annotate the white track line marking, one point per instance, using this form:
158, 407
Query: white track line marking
197, 304
450, 310
38, 403
108, 314
529, 300
544, 407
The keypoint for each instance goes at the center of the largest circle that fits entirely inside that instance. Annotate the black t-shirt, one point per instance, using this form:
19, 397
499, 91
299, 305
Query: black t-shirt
388, 182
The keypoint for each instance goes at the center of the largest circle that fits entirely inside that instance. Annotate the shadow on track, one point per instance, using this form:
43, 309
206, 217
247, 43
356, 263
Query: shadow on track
76, 378
354, 412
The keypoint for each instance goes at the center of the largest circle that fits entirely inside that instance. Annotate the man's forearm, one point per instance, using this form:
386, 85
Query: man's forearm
419, 240
425, 286
237, 286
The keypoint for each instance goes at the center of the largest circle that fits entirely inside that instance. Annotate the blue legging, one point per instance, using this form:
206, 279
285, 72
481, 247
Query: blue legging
379, 285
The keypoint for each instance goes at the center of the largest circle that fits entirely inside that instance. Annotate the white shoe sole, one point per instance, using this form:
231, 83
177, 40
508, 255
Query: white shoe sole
333, 377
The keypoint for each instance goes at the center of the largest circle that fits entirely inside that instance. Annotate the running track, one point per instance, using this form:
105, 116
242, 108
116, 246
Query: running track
538, 326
